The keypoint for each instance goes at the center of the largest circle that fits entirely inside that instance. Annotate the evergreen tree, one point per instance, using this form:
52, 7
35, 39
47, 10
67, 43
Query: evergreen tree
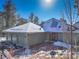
36, 20
31, 17
9, 10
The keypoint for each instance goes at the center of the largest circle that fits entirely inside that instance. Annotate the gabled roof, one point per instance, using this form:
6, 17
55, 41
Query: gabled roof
28, 27
54, 25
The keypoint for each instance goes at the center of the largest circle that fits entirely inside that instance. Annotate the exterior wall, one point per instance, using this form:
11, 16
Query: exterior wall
26, 39
65, 37
36, 38
16, 38
55, 36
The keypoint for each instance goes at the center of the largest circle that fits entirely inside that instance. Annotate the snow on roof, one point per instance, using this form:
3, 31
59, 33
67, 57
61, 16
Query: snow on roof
54, 28
28, 27
54, 25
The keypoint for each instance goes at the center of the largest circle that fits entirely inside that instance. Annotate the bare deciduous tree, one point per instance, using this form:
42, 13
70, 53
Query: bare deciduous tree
71, 15
77, 5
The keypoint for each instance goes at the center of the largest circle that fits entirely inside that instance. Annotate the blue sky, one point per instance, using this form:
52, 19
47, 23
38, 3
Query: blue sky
25, 7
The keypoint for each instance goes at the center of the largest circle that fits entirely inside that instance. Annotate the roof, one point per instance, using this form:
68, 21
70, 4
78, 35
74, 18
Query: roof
28, 27
54, 25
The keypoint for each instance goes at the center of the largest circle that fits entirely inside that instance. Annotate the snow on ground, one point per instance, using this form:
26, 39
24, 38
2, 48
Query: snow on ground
62, 44
2, 39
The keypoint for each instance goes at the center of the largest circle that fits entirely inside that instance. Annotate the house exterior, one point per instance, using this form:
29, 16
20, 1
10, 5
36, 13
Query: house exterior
26, 35
55, 25
60, 30
30, 34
